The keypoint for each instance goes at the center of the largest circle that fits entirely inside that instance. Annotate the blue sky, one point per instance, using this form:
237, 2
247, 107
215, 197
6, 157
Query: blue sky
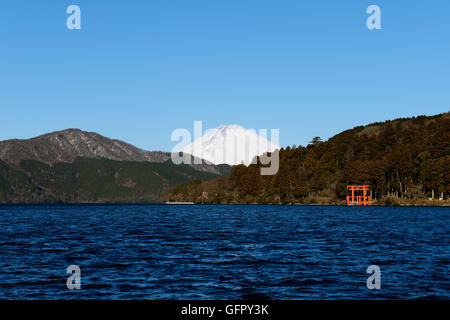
137, 70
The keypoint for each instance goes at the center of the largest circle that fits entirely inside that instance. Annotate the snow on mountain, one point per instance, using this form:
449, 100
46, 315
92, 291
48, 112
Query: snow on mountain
230, 144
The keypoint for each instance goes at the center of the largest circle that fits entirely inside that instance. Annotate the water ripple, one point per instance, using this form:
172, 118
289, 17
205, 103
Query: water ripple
223, 252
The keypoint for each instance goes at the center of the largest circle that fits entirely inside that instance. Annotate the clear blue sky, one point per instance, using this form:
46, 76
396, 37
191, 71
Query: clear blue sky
137, 70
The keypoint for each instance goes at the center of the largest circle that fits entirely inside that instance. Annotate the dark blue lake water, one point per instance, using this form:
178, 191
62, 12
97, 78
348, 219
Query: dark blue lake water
223, 252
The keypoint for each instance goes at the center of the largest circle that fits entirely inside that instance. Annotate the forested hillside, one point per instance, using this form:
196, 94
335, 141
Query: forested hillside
92, 181
404, 159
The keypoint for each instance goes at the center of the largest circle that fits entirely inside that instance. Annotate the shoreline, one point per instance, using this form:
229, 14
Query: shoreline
444, 203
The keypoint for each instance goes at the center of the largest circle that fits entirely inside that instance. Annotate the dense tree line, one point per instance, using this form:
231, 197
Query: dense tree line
88, 180
404, 158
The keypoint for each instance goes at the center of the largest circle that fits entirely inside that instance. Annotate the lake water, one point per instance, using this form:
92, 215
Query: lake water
223, 252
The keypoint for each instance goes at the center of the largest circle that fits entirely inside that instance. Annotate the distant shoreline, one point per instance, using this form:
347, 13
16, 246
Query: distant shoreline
179, 202
442, 204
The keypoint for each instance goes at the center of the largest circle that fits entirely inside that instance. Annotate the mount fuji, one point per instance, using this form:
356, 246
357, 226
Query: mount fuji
230, 144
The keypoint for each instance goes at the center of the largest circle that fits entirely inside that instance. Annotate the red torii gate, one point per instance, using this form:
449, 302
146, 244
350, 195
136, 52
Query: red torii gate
358, 199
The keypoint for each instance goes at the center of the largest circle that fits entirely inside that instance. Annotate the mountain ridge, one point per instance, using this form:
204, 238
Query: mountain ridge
73, 143
68, 144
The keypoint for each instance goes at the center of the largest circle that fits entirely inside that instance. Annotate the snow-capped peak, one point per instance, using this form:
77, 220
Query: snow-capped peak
231, 144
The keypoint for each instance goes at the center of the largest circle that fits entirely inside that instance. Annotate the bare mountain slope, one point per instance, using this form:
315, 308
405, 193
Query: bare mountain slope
67, 145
